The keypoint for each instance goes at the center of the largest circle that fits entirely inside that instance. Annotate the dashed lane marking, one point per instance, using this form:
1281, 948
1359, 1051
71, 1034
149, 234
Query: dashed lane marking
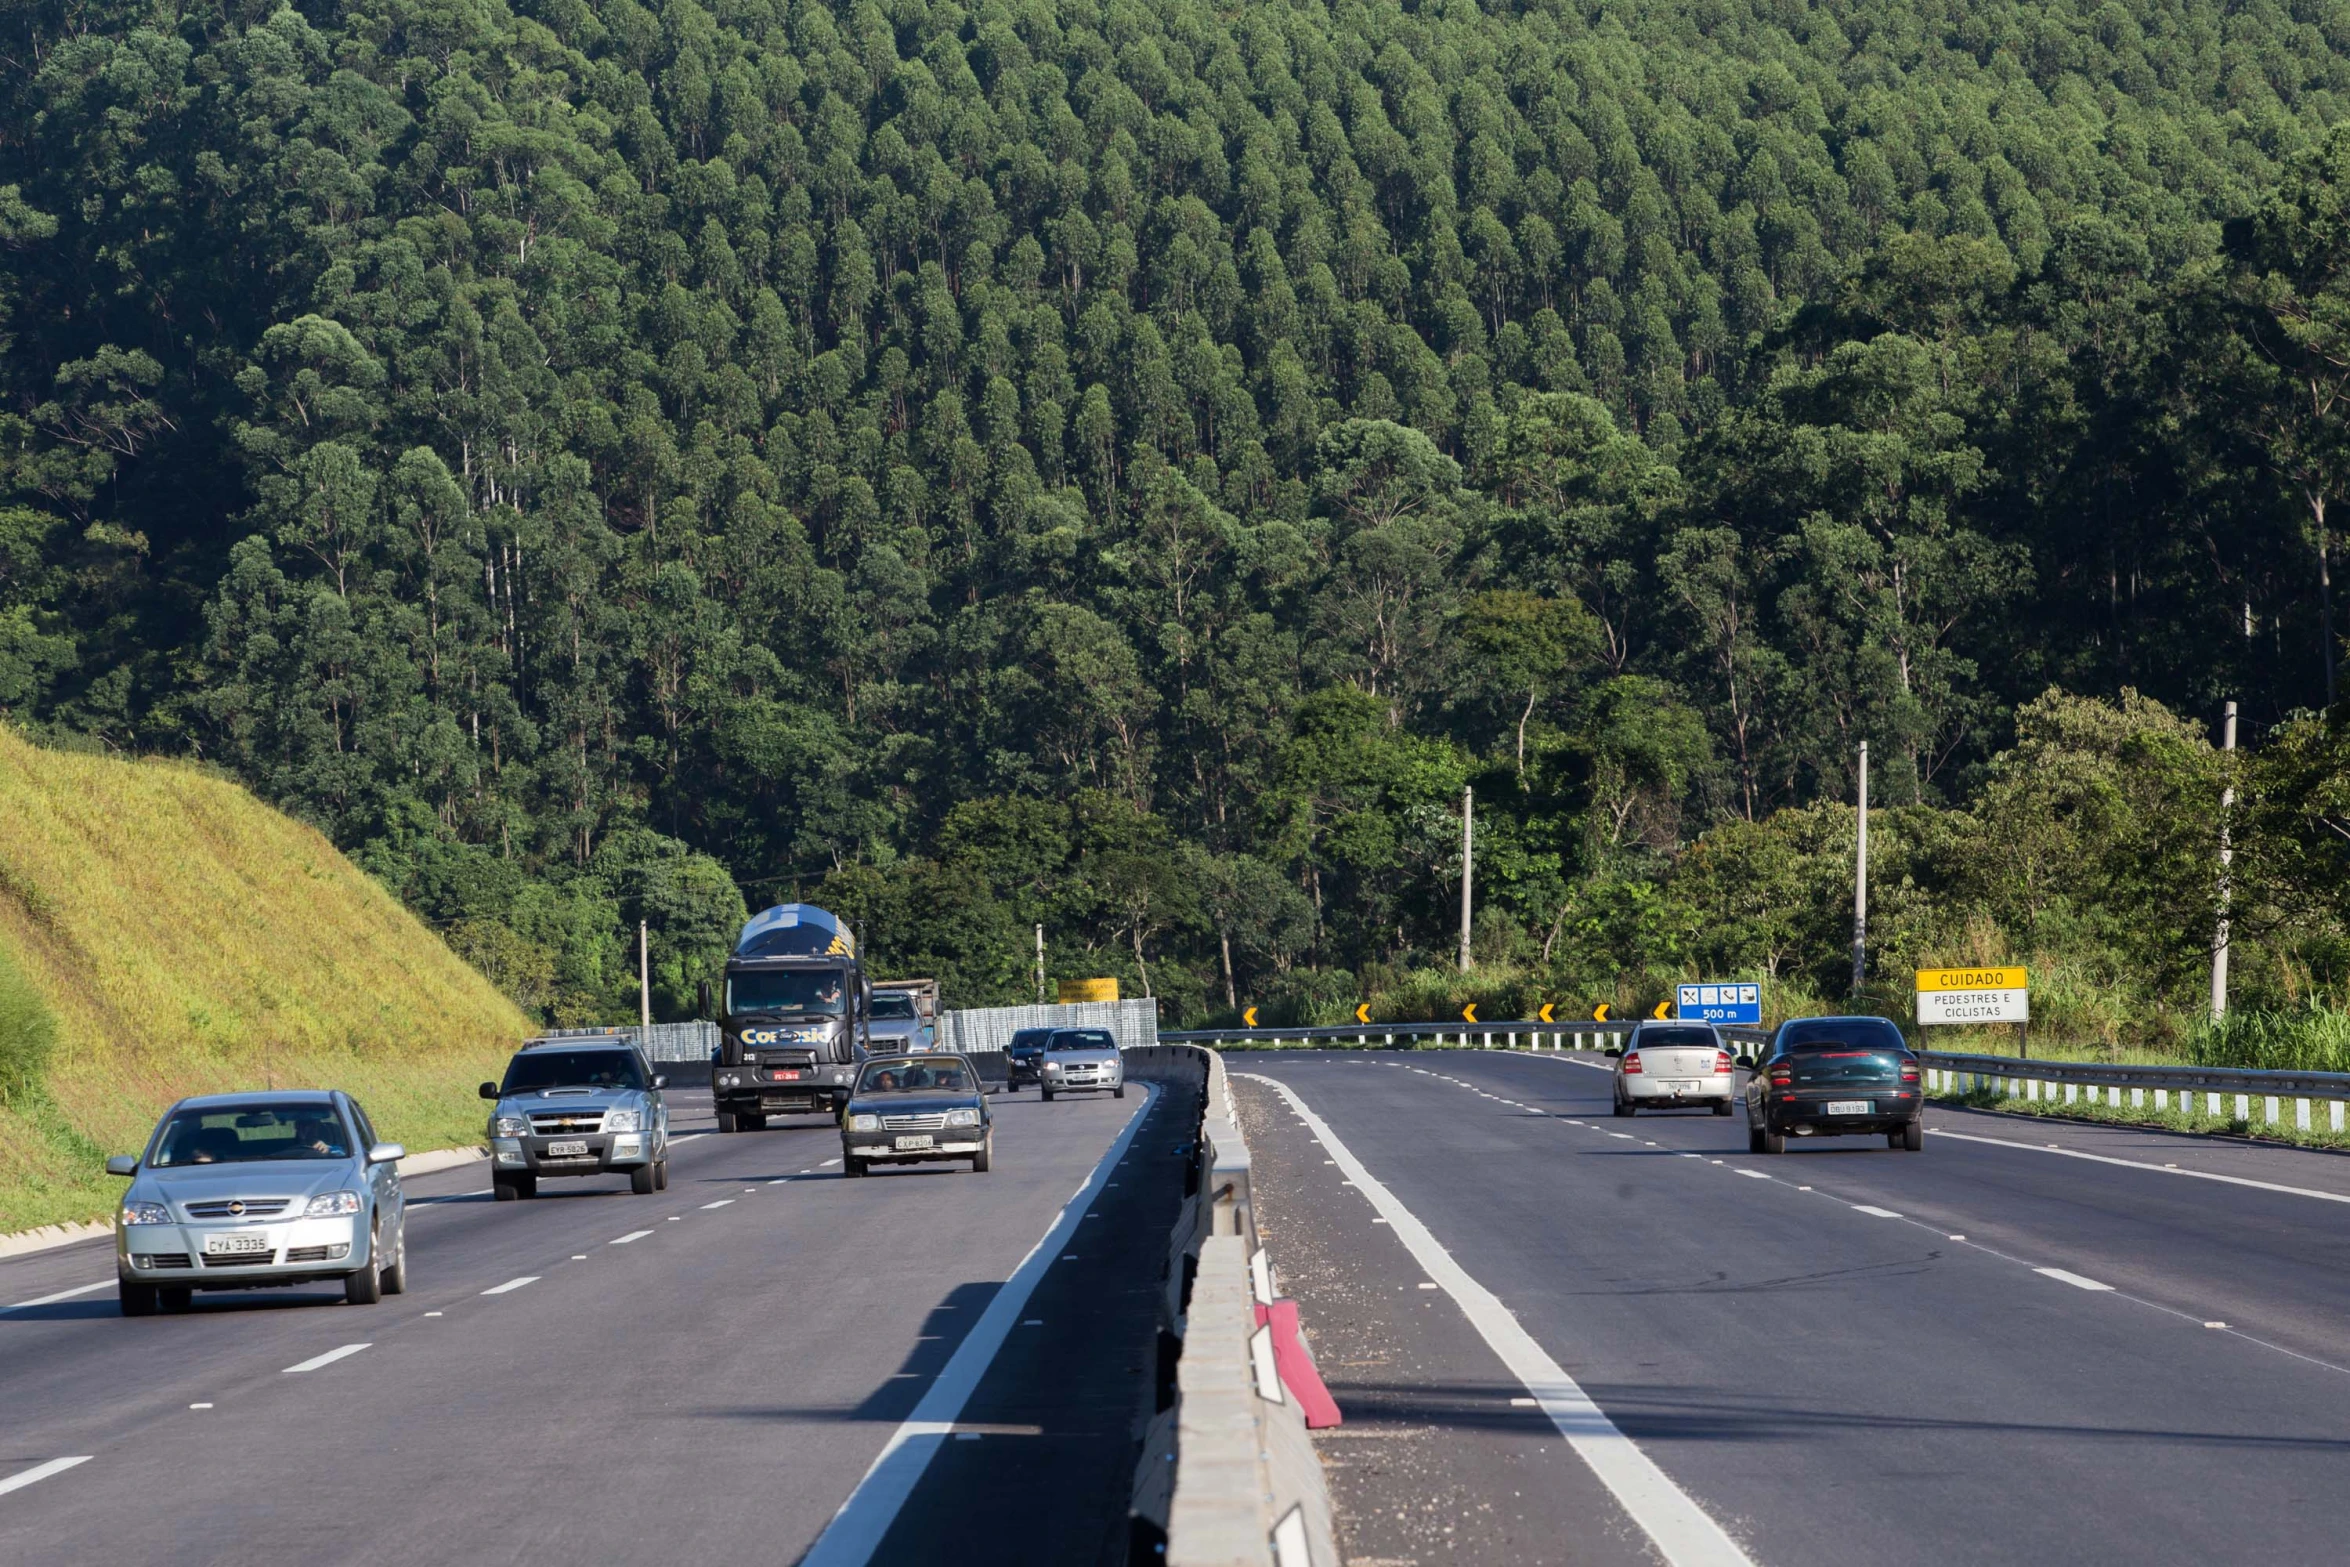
39, 1472
632, 1235
1874, 1213
51, 1300
327, 1359
511, 1285
720, 1203
2075, 1280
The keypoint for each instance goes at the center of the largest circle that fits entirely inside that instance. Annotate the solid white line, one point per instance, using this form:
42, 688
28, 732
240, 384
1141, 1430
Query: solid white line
1683, 1533
511, 1284
2139, 1164
2074, 1279
51, 1300
39, 1472
632, 1235
327, 1359
856, 1531
1874, 1213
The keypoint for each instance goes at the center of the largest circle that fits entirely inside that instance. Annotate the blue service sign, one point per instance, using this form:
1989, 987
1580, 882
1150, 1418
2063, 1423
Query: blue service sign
1719, 1003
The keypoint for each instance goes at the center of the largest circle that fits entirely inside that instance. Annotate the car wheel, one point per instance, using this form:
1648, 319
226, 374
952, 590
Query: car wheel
852, 1167
753, 1123
395, 1277
174, 1298
1118, 1092
1913, 1136
1623, 1107
1754, 1139
979, 1160
661, 1176
138, 1300
1773, 1142
1721, 1107
1048, 1095
514, 1186
725, 1121
644, 1180
365, 1287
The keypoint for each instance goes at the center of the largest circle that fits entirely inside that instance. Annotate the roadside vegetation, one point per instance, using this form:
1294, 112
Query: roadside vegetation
163, 933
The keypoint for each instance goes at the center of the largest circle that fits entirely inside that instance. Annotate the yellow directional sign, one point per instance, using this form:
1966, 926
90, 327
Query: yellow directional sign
1599, 1013
1469, 1013
1544, 1014
1663, 1008
2010, 977
1363, 1012
1249, 1018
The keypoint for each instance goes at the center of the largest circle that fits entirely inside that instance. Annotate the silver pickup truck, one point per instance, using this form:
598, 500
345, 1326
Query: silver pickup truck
577, 1105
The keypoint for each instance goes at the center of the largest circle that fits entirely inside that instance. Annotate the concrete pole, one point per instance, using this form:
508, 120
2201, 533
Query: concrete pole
1860, 880
1468, 870
1040, 965
644, 977
2227, 855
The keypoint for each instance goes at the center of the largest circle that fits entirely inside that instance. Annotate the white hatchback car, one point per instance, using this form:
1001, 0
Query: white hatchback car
1671, 1064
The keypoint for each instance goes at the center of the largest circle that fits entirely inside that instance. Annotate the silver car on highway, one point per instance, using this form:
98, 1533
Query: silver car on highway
1081, 1060
1664, 1065
249, 1191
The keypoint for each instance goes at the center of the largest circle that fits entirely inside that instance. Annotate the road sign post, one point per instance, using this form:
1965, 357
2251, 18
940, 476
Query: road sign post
1717, 1001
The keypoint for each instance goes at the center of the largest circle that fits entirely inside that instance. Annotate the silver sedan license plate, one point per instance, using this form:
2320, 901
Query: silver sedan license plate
1851, 1107
1679, 1085
913, 1144
235, 1245
566, 1150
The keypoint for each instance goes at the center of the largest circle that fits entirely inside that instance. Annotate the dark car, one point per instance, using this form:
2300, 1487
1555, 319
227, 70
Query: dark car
1024, 1058
916, 1110
1835, 1077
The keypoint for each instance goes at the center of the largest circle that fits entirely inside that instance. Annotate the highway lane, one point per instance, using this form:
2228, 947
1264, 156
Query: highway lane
592, 1373
1800, 1343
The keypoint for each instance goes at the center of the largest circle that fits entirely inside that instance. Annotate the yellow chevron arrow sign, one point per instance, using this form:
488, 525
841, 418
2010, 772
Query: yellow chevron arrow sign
1599, 1013
1363, 1012
1469, 1013
1249, 1018
1544, 1014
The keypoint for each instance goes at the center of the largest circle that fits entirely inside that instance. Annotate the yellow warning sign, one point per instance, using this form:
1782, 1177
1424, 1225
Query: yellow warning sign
2009, 978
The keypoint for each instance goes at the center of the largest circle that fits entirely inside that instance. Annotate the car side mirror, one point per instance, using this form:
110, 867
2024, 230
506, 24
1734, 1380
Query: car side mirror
489, 1090
123, 1164
1614, 1050
704, 993
660, 1081
386, 1153
1746, 1061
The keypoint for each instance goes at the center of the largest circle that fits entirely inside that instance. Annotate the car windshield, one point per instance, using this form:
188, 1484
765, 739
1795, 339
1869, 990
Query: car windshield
913, 1077
1657, 1038
534, 1069
1083, 1039
240, 1134
815, 991
892, 1005
1029, 1039
1859, 1033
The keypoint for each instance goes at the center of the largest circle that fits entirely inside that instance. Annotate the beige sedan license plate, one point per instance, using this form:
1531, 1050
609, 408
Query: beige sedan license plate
913, 1144
234, 1245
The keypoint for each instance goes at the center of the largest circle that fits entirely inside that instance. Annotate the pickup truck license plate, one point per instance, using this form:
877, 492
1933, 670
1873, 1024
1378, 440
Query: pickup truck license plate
1851, 1107
910, 1144
235, 1245
566, 1150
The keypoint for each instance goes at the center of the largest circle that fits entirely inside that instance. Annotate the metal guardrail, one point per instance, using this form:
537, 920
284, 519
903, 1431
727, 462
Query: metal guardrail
1501, 1034
2228, 1091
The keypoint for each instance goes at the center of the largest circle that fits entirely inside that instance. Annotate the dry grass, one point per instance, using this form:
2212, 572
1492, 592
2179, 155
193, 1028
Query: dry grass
182, 938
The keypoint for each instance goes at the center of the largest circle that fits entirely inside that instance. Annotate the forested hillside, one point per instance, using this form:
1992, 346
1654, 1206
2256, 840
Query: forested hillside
1128, 465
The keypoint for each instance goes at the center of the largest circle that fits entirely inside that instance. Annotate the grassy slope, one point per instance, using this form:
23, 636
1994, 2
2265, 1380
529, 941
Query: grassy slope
184, 938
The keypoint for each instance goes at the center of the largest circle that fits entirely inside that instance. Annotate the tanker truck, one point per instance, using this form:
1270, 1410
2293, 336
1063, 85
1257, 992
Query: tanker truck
792, 1009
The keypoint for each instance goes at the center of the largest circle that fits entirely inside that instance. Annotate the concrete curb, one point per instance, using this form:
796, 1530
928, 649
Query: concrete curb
48, 1237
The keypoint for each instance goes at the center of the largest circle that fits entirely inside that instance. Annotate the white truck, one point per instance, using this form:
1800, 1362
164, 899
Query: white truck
904, 1017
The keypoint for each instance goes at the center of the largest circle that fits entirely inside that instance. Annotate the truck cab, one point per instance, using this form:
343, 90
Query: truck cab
793, 1010
905, 1016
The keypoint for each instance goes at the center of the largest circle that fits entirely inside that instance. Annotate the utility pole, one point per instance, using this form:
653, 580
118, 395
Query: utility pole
1468, 853
1040, 965
2227, 854
644, 979
1860, 881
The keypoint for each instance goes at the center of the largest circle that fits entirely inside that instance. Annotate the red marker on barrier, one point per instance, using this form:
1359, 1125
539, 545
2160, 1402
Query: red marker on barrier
1296, 1366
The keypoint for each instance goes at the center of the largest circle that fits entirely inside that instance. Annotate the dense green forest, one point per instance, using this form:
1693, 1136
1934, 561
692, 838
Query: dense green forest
1127, 465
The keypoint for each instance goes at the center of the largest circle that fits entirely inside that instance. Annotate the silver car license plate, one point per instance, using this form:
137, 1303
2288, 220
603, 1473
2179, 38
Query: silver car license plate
1679, 1085
566, 1150
235, 1245
911, 1144
1851, 1107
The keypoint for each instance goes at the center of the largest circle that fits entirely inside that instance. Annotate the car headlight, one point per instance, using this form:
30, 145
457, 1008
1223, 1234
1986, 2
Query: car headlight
729, 1080
624, 1120
962, 1118
864, 1123
1052, 1066
510, 1126
327, 1204
145, 1213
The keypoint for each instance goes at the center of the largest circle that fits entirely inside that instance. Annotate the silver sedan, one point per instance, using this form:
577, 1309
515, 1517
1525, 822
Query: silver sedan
250, 1191
1081, 1060
1671, 1064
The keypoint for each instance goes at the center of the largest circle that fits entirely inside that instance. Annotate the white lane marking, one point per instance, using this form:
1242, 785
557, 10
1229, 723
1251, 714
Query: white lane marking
2140, 1164
720, 1203
1683, 1532
1427, 1286
511, 1285
687, 1138
199, 1406
1525, 1403
51, 1300
2074, 1279
1874, 1213
1754, 1175
39, 1472
327, 1359
856, 1530
632, 1235
828, 1162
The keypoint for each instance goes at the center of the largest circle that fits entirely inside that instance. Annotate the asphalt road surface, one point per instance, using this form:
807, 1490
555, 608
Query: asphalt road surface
705, 1374
1995, 1351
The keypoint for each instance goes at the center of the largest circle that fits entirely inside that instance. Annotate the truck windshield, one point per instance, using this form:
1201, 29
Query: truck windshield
816, 991
534, 1069
892, 1004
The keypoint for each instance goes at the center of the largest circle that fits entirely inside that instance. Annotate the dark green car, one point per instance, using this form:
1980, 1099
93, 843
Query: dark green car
916, 1110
